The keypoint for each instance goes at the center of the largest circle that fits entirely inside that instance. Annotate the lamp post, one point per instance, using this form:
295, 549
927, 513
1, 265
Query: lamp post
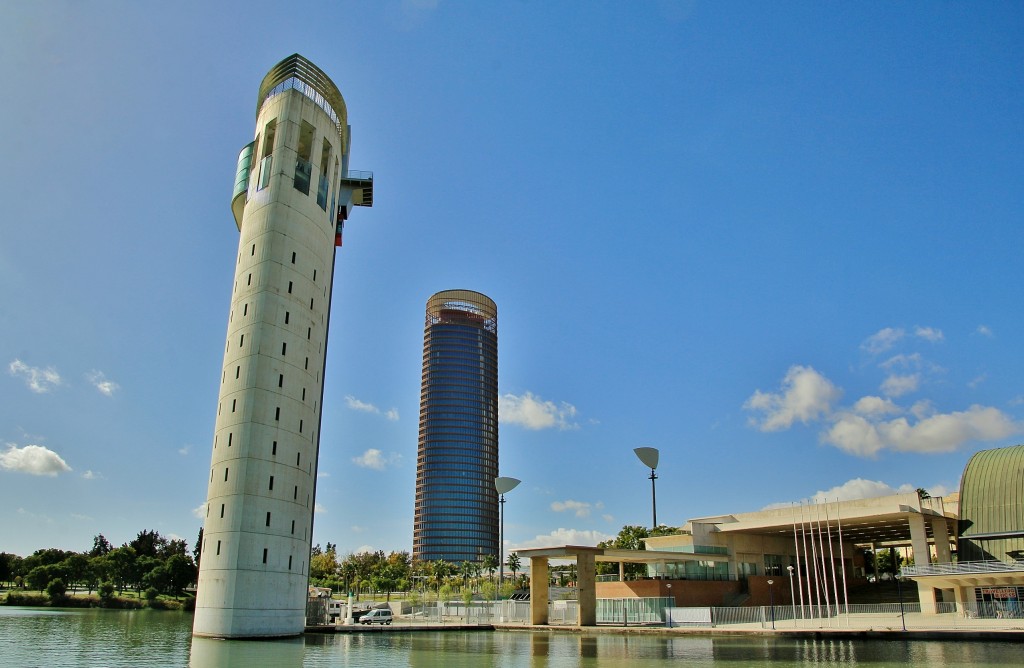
792, 595
899, 590
649, 457
771, 602
669, 587
503, 486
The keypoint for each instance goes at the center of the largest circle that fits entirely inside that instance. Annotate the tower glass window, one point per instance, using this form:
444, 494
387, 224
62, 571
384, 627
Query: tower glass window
456, 512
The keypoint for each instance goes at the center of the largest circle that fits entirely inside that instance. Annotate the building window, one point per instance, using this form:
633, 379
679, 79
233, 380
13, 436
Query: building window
307, 364
314, 275
264, 555
277, 413
238, 370
293, 527
303, 394
324, 185
268, 150
300, 426
249, 282
225, 474
245, 310
241, 340
297, 456
222, 510
293, 257
289, 287
310, 302
233, 402
309, 333
280, 380
268, 518
253, 249
289, 562
284, 348
273, 449
295, 494
303, 168
286, 316
230, 434
218, 548
271, 483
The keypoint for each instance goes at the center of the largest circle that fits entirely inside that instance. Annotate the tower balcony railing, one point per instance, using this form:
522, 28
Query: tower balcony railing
963, 568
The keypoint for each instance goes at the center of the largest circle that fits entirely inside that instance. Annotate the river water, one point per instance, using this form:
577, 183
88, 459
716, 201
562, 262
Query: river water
56, 638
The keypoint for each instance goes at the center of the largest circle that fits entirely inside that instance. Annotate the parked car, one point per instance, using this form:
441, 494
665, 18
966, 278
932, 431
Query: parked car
377, 616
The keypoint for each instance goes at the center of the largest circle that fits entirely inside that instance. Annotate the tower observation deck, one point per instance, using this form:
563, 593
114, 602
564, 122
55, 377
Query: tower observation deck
293, 193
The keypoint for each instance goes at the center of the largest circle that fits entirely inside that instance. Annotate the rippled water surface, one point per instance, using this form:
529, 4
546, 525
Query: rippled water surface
54, 638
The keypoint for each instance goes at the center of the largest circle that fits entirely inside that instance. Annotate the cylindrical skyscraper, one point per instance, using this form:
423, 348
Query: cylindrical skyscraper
293, 192
456, 515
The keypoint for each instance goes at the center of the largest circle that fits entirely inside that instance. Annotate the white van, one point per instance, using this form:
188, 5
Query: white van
377, 616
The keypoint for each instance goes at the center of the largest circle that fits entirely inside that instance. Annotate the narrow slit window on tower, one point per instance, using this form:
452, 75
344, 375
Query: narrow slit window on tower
293, 527
289, 287
280, 380
233, 403
295, 494
314, 274
222, 510
300, 426
277, 413
268, 150
218, 548
241, 340
289, 562
238, 370
284, 348
298, 455
268, 518
230, 434
287, 315
264, 555
303, 394
307, 364
303, 168
324, 185
293, 257
225, 474
249, 280
253, 249
311, 302
273, 448
271, 483
245, 310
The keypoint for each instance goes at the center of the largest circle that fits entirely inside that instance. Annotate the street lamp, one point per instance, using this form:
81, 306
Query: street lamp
649, 457
771, 602
503, 486
899, 589
792, 595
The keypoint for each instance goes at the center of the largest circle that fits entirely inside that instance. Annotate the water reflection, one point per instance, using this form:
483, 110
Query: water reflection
215, 653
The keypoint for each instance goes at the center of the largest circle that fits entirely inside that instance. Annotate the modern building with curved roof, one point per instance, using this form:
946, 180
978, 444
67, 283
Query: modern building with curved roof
992, 506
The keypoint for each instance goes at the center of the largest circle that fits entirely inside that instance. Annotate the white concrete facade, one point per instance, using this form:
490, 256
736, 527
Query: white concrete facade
259, 511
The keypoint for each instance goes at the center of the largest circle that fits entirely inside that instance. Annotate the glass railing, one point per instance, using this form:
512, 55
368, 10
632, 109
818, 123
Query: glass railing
358, 175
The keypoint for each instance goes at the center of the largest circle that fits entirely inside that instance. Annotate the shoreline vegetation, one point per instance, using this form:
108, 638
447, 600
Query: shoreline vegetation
145, 601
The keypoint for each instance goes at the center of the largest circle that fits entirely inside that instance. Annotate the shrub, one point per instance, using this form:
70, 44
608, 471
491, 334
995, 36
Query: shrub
106, 590
22, 598
151, 595
56, 589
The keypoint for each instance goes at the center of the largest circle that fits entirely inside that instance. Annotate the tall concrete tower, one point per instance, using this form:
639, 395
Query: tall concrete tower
456, 514
293, 192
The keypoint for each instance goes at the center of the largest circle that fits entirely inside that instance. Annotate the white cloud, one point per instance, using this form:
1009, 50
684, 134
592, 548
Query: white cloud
942, 432
984, 330
38, 380
902, 361
100, 382
364, 549
977, 380
184, 450
377, 460
319, 508
200, 511
560, 537
535, 413
805, 395
357, 529
32, 459
882, 340
929, 334
608, 518
897, 385
364, 407
92, 475
872, 406
581, 508
859, 488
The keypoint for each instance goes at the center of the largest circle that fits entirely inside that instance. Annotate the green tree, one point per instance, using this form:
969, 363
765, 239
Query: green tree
197, 551
121, 563
39, 577
490, 565
181, 572
56, 589
75, 569
323, 565
100, 546
6, 567
513, 564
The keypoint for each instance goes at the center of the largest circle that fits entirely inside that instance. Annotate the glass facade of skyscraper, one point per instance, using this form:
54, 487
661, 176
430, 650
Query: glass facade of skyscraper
456, 516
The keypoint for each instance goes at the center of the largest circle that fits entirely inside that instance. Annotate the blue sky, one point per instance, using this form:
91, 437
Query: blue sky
777, 241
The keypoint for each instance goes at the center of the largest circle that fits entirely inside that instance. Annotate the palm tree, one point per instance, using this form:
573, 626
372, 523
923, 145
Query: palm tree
513, 564
490, 565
